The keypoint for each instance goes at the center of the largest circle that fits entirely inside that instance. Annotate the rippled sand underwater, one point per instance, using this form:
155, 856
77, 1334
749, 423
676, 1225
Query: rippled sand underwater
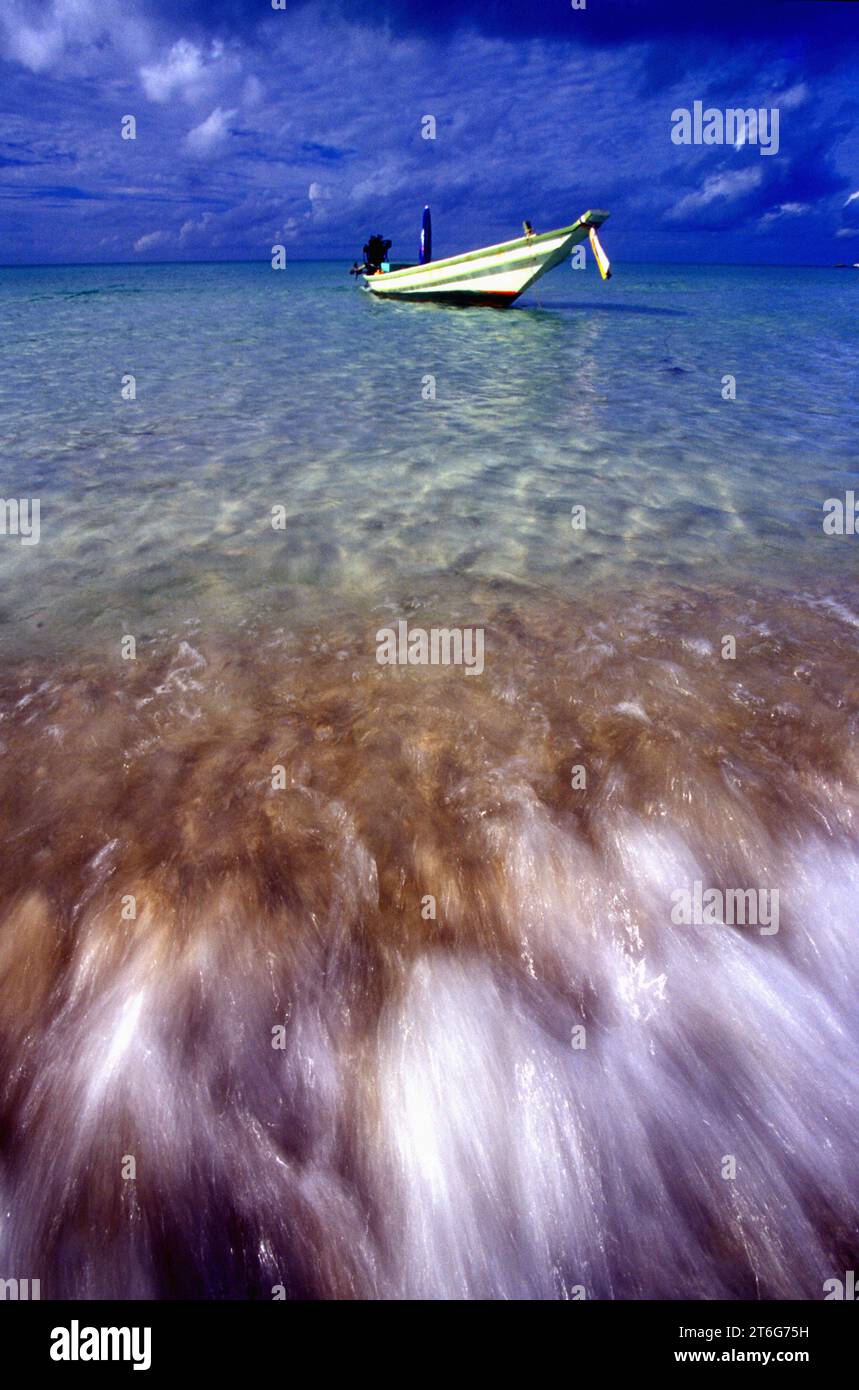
326, 1089
534, 1091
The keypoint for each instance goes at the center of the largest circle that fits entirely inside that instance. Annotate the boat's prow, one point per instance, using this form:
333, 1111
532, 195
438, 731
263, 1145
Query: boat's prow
493, 275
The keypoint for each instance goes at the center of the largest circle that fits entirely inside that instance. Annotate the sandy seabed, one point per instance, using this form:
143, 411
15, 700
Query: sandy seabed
234, 976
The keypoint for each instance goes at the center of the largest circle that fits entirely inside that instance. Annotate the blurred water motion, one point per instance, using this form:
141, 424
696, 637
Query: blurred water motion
430, 1127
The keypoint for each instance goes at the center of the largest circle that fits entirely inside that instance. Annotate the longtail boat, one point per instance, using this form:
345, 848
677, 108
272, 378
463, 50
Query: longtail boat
493, 275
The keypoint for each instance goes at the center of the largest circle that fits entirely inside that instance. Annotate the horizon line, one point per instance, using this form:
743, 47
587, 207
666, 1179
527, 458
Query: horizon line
331, 260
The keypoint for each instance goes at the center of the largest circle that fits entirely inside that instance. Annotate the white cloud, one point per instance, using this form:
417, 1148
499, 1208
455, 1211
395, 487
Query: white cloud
783, 210
794, 96
78, 35
210, 133
253, 93
788, 210
730, 185
851, 198
320, 202
146, 243
181, 69
191, 229
36, 49
190, 73
62, 22
247, 224
847, 231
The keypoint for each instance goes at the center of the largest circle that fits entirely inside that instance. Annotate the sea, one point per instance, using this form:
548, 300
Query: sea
326, 973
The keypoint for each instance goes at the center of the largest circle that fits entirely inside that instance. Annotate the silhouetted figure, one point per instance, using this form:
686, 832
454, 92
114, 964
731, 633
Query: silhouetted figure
376, 251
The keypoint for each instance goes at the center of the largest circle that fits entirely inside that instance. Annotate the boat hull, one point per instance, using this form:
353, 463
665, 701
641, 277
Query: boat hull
460, 299
493, 276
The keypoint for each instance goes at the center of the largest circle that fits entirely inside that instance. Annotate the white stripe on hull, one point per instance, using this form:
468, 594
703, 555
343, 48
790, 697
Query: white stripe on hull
505, 270
506, 274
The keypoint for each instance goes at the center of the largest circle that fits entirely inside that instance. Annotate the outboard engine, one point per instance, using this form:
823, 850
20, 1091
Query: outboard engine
376, 252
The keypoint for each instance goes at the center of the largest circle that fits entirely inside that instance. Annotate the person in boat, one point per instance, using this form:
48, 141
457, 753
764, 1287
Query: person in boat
376, 251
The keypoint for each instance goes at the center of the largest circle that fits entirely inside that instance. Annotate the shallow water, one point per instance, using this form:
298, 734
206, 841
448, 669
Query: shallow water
528, 1086
258, 389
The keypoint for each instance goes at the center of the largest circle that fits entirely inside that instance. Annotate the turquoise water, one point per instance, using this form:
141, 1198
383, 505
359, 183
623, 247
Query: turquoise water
258, 388
505, 1069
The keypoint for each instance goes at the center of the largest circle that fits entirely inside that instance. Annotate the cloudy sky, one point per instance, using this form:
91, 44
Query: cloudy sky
256, 125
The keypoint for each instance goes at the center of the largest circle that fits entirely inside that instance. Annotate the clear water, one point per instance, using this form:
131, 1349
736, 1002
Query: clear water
278, 808
258, 388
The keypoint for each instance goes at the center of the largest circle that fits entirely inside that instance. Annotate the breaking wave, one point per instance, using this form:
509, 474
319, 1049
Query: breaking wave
379, 1004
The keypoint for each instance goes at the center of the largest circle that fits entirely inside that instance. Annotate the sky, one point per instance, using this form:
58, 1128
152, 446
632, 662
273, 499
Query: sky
306, 126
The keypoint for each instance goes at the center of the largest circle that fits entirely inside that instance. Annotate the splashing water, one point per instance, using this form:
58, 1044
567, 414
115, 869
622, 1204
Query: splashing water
412, 1015
530, 1091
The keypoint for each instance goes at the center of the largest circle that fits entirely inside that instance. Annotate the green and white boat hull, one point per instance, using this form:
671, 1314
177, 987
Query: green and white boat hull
494, 275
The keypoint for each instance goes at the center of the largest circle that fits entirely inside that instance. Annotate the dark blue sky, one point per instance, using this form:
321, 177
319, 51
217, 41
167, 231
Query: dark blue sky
304, 126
